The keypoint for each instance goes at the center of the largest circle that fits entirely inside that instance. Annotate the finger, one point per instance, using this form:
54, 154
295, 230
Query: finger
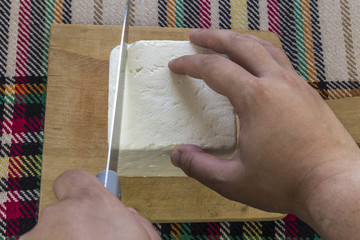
245, 51
277, 53
214, 172
146, 224
219, 73
78, 183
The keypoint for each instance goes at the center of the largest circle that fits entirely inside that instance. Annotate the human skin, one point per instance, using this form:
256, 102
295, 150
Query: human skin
294, 156
87, 210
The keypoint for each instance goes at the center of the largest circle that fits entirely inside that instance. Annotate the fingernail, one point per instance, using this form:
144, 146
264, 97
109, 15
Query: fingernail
172, 64
196, 30
133, 211
175, 158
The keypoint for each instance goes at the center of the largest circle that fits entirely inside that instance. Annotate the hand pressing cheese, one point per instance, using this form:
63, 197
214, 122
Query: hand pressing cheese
163, 109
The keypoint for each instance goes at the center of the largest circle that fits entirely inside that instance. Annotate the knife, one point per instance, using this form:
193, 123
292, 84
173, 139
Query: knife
109, 176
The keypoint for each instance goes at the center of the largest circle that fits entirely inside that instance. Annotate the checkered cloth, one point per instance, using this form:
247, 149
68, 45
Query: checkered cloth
318, 36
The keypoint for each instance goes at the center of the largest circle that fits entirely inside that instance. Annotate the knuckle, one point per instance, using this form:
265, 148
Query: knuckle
234, 36
255, 46
60, 211
273, 48
258, 86
66, 208
249, 42
288, 78
71, 176
75, 176
78, 205
212, 43
211, 65
210, 60
76, 183
86, 201
216, 39
84, 194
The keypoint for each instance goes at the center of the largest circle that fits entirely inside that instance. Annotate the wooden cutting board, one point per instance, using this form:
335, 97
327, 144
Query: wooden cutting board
76, 127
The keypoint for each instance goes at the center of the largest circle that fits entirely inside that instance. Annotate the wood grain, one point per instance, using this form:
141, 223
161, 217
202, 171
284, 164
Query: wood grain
348, 112
76, 127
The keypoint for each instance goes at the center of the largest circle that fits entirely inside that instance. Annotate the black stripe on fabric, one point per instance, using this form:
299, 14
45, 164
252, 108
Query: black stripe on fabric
2, 101
198, 229
29, 182
6, 108
18, 112
3, 227
224, 14
36, 79
32, 148
26, 224
347, 85
318, 50
162, 13
13, 182
28, 207
166, 229
355, 85
36, 39
4, 34
305, 231
334, 85
5, 149
67, 11
3, 80
12, 227
287, 31
236, 229
2, 112
322, 88
253, 14
191, 13
339, 85
3, 185
268, 229
33, 110
352, 88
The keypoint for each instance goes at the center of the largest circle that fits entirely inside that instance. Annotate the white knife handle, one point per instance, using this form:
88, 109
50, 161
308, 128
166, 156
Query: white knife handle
113, 182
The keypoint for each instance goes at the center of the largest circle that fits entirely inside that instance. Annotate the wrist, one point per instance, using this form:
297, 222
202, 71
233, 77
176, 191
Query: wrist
331, 197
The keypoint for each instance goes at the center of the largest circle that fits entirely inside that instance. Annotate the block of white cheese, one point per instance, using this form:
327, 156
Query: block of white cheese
162, 110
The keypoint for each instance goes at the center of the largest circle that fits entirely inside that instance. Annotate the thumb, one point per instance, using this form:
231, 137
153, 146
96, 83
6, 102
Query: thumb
214, 172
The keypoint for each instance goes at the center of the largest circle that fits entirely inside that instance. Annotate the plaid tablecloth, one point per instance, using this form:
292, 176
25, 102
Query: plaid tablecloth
321, 37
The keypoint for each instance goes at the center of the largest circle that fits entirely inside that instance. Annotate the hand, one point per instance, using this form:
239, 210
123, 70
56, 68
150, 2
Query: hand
291, 145
86, 210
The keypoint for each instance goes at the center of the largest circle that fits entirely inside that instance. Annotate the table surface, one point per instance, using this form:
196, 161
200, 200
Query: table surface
319, 38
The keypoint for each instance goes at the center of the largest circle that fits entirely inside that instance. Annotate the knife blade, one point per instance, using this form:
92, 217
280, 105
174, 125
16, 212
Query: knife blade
109, 176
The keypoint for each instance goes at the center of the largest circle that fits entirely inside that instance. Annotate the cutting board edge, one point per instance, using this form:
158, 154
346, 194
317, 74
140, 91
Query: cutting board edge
52, 177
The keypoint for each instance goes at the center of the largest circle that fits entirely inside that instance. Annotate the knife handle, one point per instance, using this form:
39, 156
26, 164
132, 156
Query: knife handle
113, 182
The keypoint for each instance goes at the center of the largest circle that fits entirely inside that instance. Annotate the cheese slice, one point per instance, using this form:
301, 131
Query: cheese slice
163, 109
